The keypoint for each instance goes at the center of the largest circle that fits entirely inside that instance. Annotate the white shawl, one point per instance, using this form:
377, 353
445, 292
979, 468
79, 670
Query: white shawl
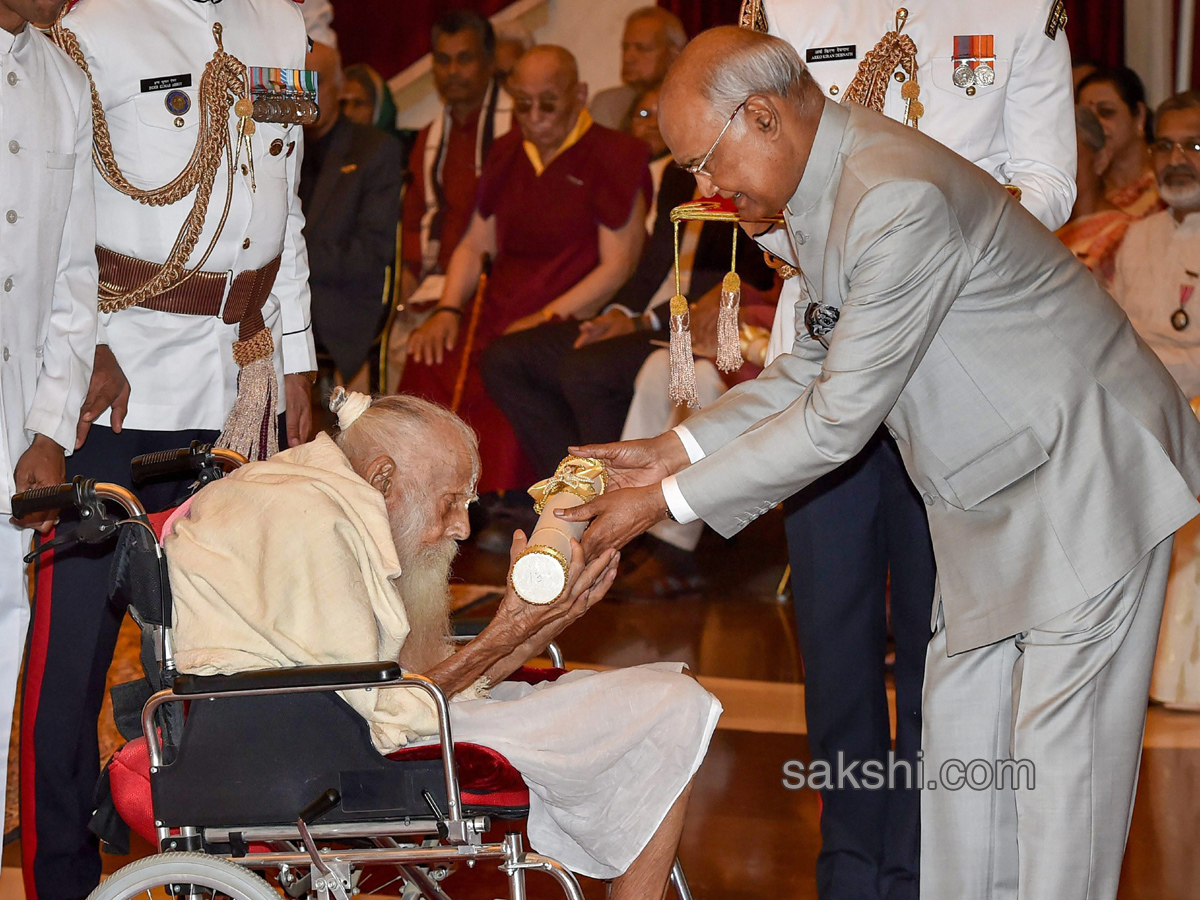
287, 562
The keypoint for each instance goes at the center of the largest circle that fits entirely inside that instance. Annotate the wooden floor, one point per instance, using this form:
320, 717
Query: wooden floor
747, 836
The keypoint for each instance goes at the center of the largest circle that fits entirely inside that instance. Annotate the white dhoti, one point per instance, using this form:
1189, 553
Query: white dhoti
605, 755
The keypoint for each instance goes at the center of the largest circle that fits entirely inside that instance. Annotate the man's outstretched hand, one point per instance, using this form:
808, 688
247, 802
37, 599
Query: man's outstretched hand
638, 463
617, 517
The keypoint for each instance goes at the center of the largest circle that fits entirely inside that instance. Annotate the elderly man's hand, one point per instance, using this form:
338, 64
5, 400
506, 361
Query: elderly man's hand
532, 626
638, 463
617, 517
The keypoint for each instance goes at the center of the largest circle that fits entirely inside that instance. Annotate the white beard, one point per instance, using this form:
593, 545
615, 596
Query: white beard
1184, 199
424, 588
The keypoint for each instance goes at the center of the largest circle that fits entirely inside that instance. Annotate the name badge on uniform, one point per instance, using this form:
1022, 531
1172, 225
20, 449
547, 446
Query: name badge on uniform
284, 96
831, 54
974, 61
166, 83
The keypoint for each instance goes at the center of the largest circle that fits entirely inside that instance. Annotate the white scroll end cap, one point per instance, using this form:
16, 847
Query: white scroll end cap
538, 577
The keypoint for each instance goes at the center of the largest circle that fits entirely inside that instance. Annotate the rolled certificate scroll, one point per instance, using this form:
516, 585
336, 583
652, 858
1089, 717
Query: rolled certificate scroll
540, 573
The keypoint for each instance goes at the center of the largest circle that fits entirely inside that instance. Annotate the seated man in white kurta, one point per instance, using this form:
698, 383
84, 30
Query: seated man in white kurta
338, 552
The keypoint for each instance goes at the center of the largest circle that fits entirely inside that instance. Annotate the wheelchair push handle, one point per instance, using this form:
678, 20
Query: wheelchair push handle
46, 499
198, 457
84, 494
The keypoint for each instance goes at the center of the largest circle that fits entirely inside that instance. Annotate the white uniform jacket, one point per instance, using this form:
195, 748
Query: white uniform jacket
1020, 129
180, 367
47, 255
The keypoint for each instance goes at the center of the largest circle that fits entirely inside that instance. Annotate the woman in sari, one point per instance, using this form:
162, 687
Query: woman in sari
1097, 227
1118, 99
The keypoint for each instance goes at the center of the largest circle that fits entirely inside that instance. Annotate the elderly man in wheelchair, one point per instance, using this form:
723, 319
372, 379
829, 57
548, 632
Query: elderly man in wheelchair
326, 568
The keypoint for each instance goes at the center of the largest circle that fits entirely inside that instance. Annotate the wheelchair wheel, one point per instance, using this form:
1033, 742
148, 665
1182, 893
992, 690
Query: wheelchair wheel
179, 876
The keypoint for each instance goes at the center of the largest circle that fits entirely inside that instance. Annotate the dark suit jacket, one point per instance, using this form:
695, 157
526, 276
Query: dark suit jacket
350, 227
712, 250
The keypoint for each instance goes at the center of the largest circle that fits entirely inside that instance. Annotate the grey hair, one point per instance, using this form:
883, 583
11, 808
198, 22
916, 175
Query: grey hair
672, 27
401, 420
1088, 127
760, 64
1177, 103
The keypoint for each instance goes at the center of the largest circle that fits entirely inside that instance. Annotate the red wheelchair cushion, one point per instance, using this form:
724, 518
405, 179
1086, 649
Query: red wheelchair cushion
485, 778
158, 520
532, 675
129, 781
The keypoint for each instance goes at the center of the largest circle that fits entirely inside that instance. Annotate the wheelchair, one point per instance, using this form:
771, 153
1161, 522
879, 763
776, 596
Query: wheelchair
237, 779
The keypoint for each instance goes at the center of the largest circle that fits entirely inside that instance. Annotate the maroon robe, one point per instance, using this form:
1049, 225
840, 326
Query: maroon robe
547, 240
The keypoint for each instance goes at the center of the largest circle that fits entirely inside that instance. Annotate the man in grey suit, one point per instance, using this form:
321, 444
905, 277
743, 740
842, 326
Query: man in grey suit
1054, 453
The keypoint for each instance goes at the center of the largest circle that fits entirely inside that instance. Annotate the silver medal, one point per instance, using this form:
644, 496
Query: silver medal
985, 74
964, 75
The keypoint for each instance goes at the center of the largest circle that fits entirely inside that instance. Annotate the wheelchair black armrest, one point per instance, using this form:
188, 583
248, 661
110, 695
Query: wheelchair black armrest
294, 677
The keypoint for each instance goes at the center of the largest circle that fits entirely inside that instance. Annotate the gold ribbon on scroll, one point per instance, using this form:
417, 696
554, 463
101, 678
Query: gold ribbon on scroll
584, 477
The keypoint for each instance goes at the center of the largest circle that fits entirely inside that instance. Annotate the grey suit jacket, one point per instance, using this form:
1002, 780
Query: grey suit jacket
1052, 448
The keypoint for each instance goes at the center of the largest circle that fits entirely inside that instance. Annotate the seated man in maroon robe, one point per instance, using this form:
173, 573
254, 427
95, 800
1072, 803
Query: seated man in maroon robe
561, 211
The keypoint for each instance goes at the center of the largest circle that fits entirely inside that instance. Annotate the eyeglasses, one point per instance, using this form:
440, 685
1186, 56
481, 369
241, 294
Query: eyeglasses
698, 169
1164, 148
524, 105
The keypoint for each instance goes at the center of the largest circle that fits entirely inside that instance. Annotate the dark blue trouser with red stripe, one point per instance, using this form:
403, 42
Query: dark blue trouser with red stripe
848, 534
72, 634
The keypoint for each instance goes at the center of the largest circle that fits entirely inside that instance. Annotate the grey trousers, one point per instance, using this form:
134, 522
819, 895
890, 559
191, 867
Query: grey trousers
1069, 696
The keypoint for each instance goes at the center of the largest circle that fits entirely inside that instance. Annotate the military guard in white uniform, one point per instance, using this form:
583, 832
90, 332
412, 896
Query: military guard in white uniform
992, 83
47, 290
204, 308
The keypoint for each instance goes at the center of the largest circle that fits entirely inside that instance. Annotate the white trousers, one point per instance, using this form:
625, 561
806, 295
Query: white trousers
1069, 696
14, 622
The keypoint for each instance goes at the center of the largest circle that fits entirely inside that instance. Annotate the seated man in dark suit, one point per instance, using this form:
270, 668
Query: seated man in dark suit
571, 382
350, 191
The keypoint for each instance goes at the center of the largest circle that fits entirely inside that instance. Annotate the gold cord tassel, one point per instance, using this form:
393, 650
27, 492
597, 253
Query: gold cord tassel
251, 428
895, 51
729, 350
683, 366
729, 347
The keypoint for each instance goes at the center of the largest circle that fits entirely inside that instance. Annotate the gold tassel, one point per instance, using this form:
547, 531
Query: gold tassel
683, 366
729, 350
251, 428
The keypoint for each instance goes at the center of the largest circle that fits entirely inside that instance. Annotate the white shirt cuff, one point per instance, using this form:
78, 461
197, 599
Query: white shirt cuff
694, 451
681, 511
